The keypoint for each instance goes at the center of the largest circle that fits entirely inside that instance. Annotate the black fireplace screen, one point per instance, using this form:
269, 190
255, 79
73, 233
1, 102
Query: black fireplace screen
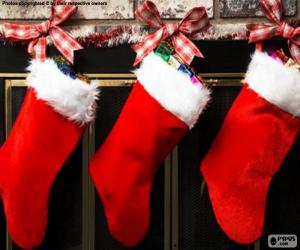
181, 213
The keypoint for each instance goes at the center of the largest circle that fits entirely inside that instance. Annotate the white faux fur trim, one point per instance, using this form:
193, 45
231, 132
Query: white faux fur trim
72, 98
275, 82
173, 89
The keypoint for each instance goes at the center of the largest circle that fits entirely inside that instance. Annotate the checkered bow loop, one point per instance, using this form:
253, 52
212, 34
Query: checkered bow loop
38, 34
194, 21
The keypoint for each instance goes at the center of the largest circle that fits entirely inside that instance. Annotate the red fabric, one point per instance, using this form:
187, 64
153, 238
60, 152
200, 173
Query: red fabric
124, 167
274, 12
62, 40
249, 149
35, 150
194, 21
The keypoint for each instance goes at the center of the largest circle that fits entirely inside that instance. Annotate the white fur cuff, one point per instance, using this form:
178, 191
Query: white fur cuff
72, 98
275, 82
173, 89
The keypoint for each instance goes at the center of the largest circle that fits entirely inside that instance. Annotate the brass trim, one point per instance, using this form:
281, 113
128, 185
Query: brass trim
13, 75
8, 127
88, 191
92, 190
216, 82
223, 75
223, 82
127, 75
115, 83
257, 245
9, 243
17, 83
167, 203
85, 190
131, 75
8, 107
112, 76
175, 200
202, 187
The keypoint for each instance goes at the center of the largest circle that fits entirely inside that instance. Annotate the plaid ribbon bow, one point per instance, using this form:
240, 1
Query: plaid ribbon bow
194, 21
38, 33
274, 12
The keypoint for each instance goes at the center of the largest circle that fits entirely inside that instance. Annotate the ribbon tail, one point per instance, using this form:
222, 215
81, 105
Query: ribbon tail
149, 43
253, 38
198, 53
294, 51
135, 46
65, 43
141, 52
185, 48
137, 61
253, 28
37, 48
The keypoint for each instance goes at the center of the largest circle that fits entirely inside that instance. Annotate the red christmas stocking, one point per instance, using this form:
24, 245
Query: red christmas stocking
161, 108
256, 135
47, 129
